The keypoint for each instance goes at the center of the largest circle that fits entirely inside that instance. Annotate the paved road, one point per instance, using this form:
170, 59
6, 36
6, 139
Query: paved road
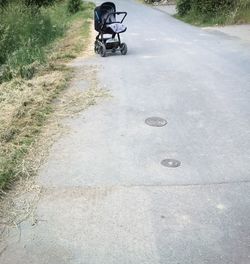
107, 198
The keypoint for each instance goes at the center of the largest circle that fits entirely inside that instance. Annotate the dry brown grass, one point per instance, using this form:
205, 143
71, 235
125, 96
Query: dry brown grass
26, 105
20, 202
73, 43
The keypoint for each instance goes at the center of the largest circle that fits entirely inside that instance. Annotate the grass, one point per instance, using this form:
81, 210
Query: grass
24, 33
239, 16
199, 20
243, 15
27, 103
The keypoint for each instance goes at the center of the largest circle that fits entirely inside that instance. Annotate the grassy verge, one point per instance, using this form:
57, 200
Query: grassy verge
199, 20
26, 103
200, 17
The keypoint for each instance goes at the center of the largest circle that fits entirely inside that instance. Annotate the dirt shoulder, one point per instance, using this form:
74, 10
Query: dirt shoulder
239, 31
167, 8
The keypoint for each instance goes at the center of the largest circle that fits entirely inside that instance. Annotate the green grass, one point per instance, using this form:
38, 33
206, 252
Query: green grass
199, 20
24, 34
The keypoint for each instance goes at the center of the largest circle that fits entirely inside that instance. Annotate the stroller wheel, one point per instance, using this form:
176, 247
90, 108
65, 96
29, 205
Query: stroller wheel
102, 50
96, 47
124, 49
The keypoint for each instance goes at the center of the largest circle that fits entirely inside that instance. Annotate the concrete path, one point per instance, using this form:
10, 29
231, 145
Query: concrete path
107, 198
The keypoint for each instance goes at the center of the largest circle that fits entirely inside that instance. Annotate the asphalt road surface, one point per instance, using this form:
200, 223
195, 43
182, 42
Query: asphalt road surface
108, 199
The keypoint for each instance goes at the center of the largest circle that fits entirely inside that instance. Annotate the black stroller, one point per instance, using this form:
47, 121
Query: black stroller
106, 23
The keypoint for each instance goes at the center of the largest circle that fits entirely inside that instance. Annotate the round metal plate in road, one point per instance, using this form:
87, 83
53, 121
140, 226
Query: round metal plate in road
156, 121
171, 163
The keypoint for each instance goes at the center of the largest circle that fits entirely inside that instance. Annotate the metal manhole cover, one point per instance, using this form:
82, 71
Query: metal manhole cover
156, 121
171, 163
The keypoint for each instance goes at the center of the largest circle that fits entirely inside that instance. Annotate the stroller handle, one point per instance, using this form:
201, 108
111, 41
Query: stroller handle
116, 13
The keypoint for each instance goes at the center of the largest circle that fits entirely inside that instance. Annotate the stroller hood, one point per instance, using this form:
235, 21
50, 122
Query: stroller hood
108, 5
100, 11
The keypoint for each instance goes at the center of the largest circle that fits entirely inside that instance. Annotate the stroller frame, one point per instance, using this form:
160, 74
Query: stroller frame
102, 44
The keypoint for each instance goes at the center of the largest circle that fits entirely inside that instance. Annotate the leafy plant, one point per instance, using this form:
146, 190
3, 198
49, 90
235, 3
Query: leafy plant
39, 3
183, 7
74, 6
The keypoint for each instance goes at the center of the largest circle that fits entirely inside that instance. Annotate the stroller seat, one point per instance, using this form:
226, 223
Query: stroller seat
117, 28
109, 20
